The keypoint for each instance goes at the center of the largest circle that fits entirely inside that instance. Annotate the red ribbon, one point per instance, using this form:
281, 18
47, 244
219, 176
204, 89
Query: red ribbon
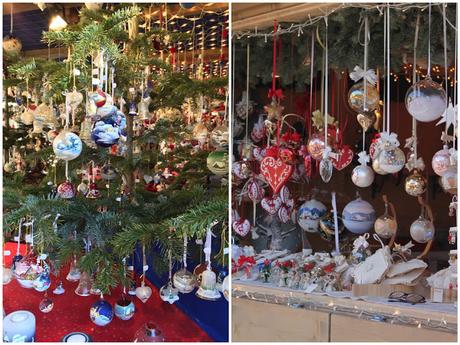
278, 93
245, 260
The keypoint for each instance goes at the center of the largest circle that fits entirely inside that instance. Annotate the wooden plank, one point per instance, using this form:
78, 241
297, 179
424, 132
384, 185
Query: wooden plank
350, 329
265, 322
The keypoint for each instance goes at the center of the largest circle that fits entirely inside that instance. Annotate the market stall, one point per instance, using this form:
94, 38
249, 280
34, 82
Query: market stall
344, 172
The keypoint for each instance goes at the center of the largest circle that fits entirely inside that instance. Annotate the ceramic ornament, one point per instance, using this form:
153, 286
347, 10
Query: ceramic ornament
241, 227
342, 158
287, 204
276, 172
241, 169
271, 204
143, 292
310, 213
258, 131
358, 216
255, 190
259, 153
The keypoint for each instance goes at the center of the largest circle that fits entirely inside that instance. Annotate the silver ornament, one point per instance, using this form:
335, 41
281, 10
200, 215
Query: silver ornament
362, 176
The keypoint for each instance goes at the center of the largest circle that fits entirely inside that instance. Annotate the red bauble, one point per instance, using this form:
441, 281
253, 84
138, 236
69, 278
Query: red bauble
66, 190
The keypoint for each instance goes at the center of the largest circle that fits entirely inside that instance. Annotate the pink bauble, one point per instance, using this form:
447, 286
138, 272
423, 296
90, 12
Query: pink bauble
66, 190
441, 161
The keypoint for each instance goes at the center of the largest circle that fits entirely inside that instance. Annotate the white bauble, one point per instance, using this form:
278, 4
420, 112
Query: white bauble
426, 100
391, 160
358, 216
422, 230
441, 161
309, 215
362, 176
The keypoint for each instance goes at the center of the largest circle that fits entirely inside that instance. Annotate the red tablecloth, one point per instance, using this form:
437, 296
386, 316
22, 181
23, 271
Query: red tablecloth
71, 314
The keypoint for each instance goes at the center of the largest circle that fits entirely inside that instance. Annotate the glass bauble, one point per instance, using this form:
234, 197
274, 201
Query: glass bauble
66, 190
325, 169
101, 312
226, 288
385, 226
217, 162
105, 134
74, 273
143, 292
12, 45
124, 308
366, 119
84, 286
426, 100
83, 188
7, 275
441, 161
391, 160
207, 289
46, 305
26, 271
422, 230
67, 146
219, 136
358, 216
310, 213
149, 333
184, 281
315, 145
376, 167
169, 293
42, 282
415, 184
327, 226
362, 176
449, 180
356, 97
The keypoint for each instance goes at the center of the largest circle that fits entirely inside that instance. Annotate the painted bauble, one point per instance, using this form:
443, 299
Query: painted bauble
27, 117
99, 98
52, 134
124, 309
108, 110
42, 282
66, 190
67, 146
422, 230
217, 162
362, 176
327, 226
105, 134
385, 226
441, 161
366, 119
356, 97
426, 100
358, 216
12, 45
391, 160
184, 281
415, 184
309, 215
449, 180
46, 305
316, 145
101, 313
83, 188
25, 271
219, 136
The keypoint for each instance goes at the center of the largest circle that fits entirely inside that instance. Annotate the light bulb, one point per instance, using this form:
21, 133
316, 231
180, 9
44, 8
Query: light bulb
57, 23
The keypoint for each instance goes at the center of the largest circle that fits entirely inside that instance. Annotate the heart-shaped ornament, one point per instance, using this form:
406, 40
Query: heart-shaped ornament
284, 214
343, 158
241, 227
259, 153
271, 205
255, 190
276, 172
143, 292
241, 170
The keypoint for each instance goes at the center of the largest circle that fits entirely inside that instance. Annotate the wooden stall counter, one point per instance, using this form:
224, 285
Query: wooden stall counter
266, 313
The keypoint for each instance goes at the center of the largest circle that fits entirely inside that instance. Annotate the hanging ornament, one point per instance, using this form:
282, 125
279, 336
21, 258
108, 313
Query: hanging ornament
422, 230
386, 225
59, 290
362, 175
310, 213
426, 100
200, 133
46, 305
219, 137
73, 99
240, 107
241, 169
207, 289
26, 271
449, 180
415, 184
108, 172
271, 204
342, 157
356, 99
325, 169
327, 226
390, 160
316, 145
241, 227
217, 162
258, 131
143, 292
287, 204
66, 190
43, 281
358, 216
101, 312
124, 308
84, 286
441, 161
67, 146
99, 98
12, 45
74, 272
276, 172
168, 292
105, 133
83, 188
366, 119
27, 117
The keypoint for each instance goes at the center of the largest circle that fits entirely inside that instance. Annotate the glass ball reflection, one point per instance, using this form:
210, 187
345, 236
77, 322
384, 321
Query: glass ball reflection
422, 230
356, 97
426, 100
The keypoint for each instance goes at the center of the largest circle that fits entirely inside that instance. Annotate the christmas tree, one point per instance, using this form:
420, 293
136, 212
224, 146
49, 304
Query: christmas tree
151, 128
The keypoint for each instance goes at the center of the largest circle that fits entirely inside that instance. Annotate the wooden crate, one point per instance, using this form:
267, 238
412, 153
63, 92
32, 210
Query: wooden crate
380, 290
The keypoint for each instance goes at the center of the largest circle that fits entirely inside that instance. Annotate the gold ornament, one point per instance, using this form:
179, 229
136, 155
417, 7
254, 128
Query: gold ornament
366, 119
415, 184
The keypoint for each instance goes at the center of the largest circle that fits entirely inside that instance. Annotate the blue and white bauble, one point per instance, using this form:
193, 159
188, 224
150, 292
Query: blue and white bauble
101, 313
42, 282
358, 216
67, 146
105, 134
124, 309
309, 215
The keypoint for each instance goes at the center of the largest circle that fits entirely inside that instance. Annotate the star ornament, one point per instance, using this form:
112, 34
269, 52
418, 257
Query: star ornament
318, 119
449, 117
273, 110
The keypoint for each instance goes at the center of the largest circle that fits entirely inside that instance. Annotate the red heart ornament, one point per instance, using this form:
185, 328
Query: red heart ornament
276, 172
343, 159
241, 227
255, 190
271, 205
